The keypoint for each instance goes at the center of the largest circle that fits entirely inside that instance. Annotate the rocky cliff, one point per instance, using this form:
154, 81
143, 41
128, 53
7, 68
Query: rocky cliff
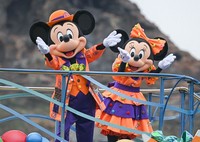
17, 50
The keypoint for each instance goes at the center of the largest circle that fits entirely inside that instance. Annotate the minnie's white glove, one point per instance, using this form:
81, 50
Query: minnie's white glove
112, 39
167, 61
124, 55
42, 46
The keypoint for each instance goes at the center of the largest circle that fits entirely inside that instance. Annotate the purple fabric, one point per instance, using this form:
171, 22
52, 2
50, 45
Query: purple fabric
111, 84
80, 58
83, 103
126, 88
70, 119
84, 127
55, 108
135, 78
67, 62
125, 110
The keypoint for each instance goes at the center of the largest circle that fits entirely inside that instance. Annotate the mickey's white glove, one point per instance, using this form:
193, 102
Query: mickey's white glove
124, 55
112, 39
42, 46
167, 61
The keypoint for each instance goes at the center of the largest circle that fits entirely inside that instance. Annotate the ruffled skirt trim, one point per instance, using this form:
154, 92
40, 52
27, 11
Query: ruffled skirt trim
141, 125
114, 97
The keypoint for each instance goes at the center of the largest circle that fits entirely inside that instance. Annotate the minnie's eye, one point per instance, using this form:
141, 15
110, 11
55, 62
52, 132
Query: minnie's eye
60, 36
132, 53
141, 54
69, 33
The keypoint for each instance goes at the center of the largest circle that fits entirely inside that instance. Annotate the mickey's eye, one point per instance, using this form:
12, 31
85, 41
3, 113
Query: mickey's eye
69, 33
141, 54
60, 36
132, 53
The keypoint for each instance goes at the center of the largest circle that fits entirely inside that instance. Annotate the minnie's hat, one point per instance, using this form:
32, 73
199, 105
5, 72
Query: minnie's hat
58, 16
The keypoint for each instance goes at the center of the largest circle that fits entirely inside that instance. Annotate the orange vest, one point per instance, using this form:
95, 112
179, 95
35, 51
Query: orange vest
76, 83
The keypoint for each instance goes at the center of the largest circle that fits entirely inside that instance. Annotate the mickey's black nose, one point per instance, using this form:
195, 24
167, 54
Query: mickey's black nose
66, 38
136, 58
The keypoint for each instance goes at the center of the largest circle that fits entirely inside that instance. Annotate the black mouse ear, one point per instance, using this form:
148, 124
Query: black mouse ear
39, 29
161, 55
85, 21
124, 39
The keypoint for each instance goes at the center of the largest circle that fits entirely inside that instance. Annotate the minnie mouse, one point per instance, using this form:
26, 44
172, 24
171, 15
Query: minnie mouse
62, 42
136, 54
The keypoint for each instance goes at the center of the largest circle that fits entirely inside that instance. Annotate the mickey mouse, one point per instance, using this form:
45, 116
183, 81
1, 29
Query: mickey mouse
62, 42
136, 54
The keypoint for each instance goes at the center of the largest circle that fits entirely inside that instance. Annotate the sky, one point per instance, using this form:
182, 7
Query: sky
178, 19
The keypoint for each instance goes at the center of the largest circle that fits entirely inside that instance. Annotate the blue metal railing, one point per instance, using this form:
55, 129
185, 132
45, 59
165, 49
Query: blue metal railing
162, 106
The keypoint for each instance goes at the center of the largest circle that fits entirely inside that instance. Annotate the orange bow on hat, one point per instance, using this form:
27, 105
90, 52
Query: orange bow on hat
156, 44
